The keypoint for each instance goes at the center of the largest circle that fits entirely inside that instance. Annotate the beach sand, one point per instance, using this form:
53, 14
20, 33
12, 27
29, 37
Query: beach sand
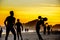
33, 36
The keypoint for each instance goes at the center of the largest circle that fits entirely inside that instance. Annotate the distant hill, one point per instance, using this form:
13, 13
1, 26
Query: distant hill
56, 26
31, 23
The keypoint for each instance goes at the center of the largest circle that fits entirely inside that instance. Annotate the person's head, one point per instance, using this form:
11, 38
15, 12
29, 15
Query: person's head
46, 23
11, 13
18, 20
39, 17
45, 19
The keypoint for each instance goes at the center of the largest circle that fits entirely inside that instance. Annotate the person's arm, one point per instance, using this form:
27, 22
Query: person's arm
1, 30
14, 21
5, 22
15, 26
43, 23
22, 27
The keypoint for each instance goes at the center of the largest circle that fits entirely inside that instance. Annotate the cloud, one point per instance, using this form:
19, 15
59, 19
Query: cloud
0, 2
30, 3
59, 2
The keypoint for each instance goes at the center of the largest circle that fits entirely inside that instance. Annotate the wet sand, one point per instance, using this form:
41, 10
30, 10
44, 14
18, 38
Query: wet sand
33, 36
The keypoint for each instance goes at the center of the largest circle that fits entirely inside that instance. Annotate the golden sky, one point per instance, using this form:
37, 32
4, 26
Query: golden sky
27, 10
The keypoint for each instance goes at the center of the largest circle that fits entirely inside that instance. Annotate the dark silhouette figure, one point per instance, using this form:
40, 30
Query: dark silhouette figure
38, 27
9, 22
26, 29
1, 31
44, 29
48, 29
44, 32
44, 25
19, 26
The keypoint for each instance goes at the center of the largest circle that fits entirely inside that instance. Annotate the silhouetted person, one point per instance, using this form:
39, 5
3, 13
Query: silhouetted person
25, 30
44, 25
44, 32
1, 31
48, 29
38, 27
51, 30
19, 26
44, 29
9, 22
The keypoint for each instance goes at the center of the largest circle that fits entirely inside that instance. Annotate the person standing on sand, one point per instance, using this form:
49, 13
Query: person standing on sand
19, 26
9, 23
38, 27
48, 29
0, 31
45, 27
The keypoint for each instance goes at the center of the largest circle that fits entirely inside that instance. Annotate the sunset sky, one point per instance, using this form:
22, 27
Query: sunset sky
28, 10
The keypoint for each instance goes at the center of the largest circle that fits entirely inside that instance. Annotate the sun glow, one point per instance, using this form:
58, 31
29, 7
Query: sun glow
30, 10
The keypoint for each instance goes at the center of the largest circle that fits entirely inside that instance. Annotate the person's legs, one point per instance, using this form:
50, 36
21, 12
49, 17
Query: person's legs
13, 31
48, 32
0, 34
7, 33
44, 31
39, 35
20, 35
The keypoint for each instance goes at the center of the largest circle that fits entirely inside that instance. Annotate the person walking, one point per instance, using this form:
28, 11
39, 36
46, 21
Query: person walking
19, 26
38, 27
9, 23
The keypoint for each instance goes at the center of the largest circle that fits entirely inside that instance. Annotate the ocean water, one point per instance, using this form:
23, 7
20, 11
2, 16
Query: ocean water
4, 31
